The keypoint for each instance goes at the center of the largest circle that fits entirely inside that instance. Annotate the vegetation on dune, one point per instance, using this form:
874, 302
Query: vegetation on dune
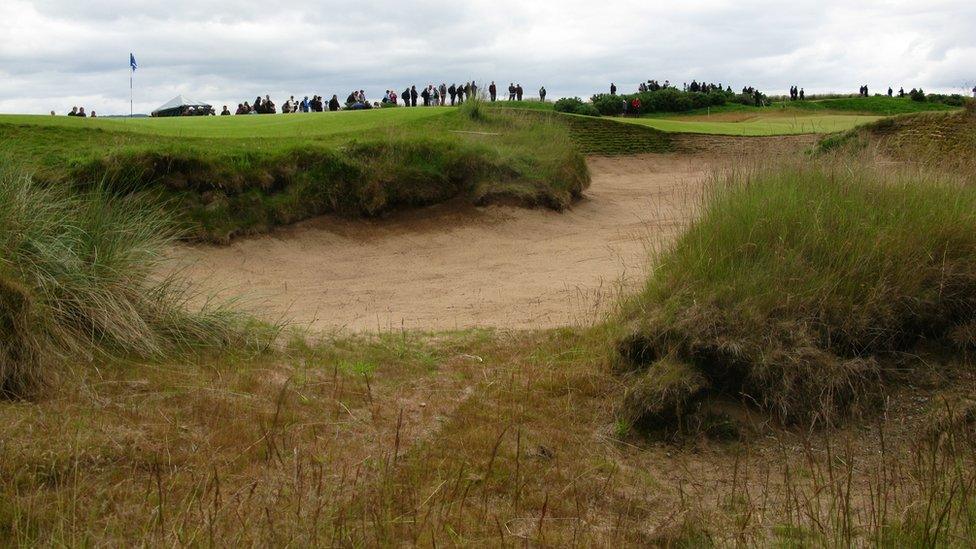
796, 290
224, 188
79, 280
934, 140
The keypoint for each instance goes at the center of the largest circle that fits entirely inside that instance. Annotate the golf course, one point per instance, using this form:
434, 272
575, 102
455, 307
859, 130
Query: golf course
495, 324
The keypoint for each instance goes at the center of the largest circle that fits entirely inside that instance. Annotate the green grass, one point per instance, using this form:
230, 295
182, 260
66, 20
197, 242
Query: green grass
885, 106
796, 286
757, 126
349, 163
289, 126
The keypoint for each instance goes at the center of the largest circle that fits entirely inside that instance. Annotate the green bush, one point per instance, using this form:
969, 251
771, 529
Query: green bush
917, 95
575, 105
608, 105
797, 286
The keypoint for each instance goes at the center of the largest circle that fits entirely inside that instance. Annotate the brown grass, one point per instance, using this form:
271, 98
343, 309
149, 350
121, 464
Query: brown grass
473, 438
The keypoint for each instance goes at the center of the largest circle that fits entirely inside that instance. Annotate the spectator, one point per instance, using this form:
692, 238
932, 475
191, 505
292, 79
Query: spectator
443, 93
518, 91
93, 115
413, 96
511, 92
613, 89
334, 104
81, 112
225, 112
542, 94
492, 91
453, 93
74, 111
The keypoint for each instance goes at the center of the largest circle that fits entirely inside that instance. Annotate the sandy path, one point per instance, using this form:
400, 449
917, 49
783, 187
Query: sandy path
440, 268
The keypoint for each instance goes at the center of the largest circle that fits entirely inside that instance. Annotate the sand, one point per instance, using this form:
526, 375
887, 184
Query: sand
455, 267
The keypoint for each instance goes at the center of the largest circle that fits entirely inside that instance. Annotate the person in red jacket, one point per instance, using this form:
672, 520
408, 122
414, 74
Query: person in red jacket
635, 106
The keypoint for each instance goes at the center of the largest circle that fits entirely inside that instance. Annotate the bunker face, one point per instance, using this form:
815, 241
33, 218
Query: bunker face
440, 268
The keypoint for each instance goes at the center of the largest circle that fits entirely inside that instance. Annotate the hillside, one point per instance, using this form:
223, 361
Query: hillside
228, 176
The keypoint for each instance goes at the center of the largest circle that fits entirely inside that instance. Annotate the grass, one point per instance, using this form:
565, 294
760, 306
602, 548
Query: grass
759, 125
465, 438
878, 105
798, 288
291, 126
78, 281
228, 186
936, 141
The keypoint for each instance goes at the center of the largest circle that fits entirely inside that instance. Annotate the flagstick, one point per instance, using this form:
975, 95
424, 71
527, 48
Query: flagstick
130, 93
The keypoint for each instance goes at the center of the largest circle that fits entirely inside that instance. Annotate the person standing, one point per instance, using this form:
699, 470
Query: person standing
453, 92
542, 94
613, 89
511, 91
518, 91
413, 96
425, 95
492, 91
460, 92
443, 91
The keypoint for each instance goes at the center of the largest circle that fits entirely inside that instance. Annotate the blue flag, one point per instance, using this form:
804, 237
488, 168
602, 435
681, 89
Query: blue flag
132, 62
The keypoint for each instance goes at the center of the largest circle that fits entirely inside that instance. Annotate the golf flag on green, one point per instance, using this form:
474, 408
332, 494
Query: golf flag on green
132, 62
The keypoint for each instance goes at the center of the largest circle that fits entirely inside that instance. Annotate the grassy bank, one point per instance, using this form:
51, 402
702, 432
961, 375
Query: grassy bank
935, 141
323, 163
78, 283
797, 291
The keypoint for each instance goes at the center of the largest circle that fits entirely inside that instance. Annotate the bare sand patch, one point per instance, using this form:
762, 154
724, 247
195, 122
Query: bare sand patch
450, 267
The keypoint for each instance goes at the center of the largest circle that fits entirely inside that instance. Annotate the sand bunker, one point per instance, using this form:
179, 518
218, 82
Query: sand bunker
440, 268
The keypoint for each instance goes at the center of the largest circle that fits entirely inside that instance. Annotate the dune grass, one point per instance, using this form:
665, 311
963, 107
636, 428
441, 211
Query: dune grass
222, 187
79, 281
797, 289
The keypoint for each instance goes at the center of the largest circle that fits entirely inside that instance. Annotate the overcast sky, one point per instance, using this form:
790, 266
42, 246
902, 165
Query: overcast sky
58, 53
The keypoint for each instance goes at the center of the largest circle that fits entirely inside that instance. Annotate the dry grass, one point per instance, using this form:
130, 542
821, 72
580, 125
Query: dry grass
473, 438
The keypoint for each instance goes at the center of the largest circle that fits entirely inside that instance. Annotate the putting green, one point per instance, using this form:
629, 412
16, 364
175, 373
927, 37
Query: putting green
245, 126
759, 125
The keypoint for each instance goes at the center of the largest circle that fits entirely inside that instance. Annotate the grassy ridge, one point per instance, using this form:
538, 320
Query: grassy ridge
934, 140
794, 289
757, 126
878, 105
222, 187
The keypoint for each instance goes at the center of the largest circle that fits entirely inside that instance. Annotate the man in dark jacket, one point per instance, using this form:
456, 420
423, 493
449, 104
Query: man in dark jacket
452, 91
406, 97
425, 95
413, 96
542, 94
460, 92
334, 103
511, 92
613, 89
492, 91
518, 91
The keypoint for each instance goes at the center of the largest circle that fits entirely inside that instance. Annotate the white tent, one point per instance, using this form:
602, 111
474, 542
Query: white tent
177, 105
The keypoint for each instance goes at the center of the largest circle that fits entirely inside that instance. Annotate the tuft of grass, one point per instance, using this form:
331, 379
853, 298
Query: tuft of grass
798, 284
79, 279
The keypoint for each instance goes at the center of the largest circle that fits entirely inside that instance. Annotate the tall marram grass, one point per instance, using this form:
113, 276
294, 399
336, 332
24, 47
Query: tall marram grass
799, 287
79, 277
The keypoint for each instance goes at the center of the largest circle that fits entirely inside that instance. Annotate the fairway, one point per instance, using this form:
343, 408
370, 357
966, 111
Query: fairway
238, 127
757, 126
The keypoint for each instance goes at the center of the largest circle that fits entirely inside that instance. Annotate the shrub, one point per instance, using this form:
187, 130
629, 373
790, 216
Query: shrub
608, 105
917, 95
79, 276
575, 105
797, 285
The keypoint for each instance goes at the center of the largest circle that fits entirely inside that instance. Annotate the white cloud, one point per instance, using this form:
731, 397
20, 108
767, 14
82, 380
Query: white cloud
58, 53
